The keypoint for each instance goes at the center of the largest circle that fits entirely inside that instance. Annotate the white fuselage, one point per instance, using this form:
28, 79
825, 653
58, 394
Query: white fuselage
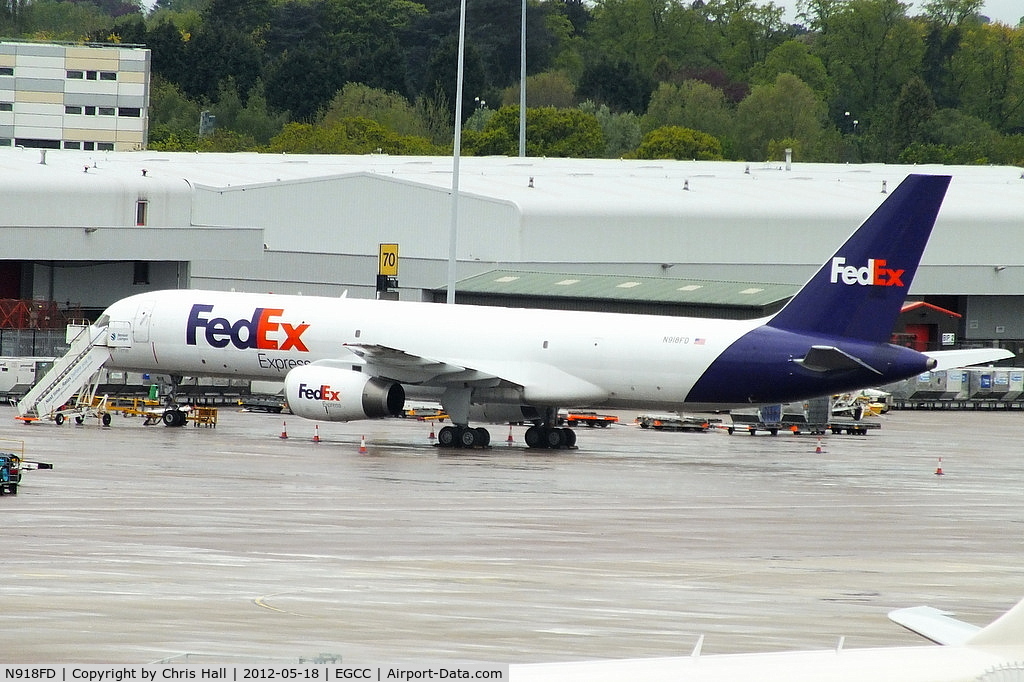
629, 360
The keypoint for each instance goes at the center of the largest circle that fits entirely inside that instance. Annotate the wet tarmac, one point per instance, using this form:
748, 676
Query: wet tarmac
234, 545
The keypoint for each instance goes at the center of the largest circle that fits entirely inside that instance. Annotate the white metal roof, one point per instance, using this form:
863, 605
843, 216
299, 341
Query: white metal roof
708, 215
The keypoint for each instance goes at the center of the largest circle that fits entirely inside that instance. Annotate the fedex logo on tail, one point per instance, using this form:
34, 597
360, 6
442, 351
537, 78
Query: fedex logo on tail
263, 330
319, 393
873, 274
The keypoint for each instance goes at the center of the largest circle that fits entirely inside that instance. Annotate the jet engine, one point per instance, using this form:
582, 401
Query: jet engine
338, 395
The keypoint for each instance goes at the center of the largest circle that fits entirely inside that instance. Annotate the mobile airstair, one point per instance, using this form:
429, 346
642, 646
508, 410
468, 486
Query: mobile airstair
70, 374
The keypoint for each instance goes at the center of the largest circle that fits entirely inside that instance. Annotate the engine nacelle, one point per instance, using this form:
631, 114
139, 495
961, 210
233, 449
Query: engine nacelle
340, 395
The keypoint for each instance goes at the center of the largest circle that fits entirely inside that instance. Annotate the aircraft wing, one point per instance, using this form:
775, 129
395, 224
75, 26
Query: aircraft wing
951, 359
540, 383
933, 624
396, 364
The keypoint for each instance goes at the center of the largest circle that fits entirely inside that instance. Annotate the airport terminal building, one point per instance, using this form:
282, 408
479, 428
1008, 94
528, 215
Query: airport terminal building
666, 237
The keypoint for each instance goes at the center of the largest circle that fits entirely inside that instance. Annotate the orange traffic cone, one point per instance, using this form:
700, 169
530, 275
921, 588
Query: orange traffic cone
362, 445
818, 449
509, 440
284, 429
316, 433
431, 436
938, 472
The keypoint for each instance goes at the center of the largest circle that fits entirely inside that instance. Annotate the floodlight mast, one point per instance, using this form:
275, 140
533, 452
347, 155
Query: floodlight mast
522, 85
453, 232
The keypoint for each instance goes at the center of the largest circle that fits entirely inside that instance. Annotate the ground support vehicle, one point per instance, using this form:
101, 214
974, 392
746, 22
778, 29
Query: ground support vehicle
13, 464
263, 403
574, 417
854, 428
675, 422
10, 473
203, 416
425, 413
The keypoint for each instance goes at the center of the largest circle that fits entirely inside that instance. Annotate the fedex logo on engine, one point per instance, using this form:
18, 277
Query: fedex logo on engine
319, 393
873, 274
263, 330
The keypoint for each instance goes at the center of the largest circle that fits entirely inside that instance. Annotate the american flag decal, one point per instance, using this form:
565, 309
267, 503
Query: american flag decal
698, 342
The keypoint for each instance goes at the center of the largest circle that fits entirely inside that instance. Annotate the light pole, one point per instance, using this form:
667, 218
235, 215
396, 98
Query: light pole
522, 84
453, 231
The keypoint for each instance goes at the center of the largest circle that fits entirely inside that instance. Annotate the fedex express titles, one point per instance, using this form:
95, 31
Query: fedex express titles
263, 331
874, 273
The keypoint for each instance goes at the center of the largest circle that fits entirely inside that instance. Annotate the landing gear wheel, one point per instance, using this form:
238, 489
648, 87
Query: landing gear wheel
533, 437
554, 438
58, 420
446, 437
569, 437
483, 437
467, 437
105, 419
173, 418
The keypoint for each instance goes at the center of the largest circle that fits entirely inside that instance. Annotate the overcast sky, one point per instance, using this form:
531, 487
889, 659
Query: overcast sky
1006, 11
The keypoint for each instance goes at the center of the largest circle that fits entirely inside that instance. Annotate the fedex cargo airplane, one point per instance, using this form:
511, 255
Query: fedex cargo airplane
968, 654
345, 359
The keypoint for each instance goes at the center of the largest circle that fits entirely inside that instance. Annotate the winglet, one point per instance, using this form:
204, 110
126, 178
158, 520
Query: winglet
933, 624
858, 293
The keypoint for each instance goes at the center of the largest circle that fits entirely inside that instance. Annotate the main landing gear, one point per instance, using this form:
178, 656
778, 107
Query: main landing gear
463, 437
538, 436
543, 434
550, 437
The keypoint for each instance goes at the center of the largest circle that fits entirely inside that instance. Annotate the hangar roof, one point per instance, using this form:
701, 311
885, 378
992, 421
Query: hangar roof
513, 283
715, 220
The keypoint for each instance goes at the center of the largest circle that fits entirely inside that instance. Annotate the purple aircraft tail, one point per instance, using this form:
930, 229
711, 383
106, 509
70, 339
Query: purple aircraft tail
859, 292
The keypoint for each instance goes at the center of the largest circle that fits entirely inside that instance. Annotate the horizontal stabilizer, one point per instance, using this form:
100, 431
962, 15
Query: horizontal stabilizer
951, 359
830, 359
933, 624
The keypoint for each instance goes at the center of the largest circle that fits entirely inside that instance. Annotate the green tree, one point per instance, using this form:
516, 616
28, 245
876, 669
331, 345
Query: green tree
912, 116
49, 20
549, 132
348, 136
640, 33
988, 73
251, 119
548, 89
166, 42
621, 131
170, 112
303, 80
217, 52
953, 127
870, 49
796, 58
786, 109
952, 12
693, 104
676, 142
618, 84
441, 74
390, 109
743, 33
